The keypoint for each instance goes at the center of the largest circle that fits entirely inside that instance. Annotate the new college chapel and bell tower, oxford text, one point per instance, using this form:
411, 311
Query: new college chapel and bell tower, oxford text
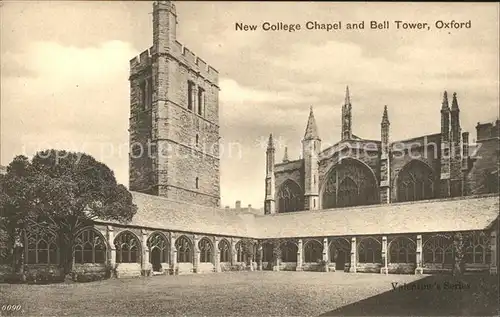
174, 118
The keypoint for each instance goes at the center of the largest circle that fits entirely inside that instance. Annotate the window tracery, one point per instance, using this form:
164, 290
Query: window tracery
89, 247
313, 251
184, 250
290, 197
369, 251
289, 252
478, 250
127, 248
415, 182
157, 241
438, 249
402, 250
42, 246
224, 249
205, 247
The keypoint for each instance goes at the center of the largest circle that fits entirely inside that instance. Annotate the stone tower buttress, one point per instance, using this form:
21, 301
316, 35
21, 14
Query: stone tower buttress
311, 147
346, 123
269, 202
455, 149
385, 162
445, 148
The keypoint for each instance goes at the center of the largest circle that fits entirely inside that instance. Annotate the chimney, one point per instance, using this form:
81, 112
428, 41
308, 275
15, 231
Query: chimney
249, 207
227, 207
238, 204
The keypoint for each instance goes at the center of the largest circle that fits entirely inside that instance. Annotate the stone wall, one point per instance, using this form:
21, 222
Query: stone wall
368, 267
485, 158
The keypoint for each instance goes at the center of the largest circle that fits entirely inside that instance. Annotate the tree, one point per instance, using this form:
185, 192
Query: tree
459, 254
67, 190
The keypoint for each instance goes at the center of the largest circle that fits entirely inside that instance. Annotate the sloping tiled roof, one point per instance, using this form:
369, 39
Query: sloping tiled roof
458, 214
462, 214
162, 213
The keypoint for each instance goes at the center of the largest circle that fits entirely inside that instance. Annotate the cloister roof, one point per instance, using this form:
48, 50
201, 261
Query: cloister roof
457, 214
162, 213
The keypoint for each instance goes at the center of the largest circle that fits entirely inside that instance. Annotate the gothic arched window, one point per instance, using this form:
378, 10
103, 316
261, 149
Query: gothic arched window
478, 250
89, 247
415, 182
159, 247
350, 183
127, 248
184, 250
438, 249
224, 249
290, 197
42, 246
313, 251
402, 250
289, 252
205, 247
369, 251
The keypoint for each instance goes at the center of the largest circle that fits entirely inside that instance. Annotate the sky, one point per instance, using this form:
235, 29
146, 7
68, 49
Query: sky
65, 66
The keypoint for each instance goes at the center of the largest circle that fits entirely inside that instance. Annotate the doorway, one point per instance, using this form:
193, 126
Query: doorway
156, 259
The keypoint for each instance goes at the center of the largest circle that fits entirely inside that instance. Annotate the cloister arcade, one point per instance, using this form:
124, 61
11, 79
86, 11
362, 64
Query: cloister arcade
139, 251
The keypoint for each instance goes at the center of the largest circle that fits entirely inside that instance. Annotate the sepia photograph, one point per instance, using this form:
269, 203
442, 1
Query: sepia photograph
249, 158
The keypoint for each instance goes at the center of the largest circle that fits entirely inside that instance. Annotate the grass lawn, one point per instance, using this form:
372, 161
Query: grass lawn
253, 294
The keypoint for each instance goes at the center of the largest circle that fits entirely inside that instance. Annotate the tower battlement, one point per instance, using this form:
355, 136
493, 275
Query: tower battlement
141, 62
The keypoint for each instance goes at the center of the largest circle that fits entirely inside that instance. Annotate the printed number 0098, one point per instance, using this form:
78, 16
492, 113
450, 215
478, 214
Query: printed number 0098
11, 307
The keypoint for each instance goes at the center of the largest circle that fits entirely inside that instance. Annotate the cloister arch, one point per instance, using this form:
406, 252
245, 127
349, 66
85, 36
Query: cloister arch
369, 250
349, 183
477, 248
184, 248
159, 250
415, 181
89, 246
289, 251
224, 251
313, 251
290, 197
206, 250
438, 250
42, 245
402, 250
128, 248
340, 252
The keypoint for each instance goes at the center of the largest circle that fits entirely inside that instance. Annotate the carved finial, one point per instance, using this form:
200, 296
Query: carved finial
270, 143
454, 102
347, 96
285, 156
385, 116
445, 105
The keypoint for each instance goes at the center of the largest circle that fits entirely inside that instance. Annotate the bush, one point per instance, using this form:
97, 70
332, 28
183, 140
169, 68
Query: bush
43, 277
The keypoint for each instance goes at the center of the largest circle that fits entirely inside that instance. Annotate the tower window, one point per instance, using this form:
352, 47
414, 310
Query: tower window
201, 101
190, 95
197, 139
143, 94
197, 182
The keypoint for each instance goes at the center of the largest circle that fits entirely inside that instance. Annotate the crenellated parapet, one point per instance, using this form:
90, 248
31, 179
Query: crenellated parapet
189, 59
141, 63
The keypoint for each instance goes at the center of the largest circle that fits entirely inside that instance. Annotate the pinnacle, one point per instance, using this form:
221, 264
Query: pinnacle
445, 105
347, 96
311, 128
454, 102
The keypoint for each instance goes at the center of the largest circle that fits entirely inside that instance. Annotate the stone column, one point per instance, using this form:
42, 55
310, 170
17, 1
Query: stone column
494, 250
261, 254
419, 256
216, 260
197, 252
384, 269
173, 254
299, 255
233, 252
354, 256
325, 253
112, 248
145, 265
